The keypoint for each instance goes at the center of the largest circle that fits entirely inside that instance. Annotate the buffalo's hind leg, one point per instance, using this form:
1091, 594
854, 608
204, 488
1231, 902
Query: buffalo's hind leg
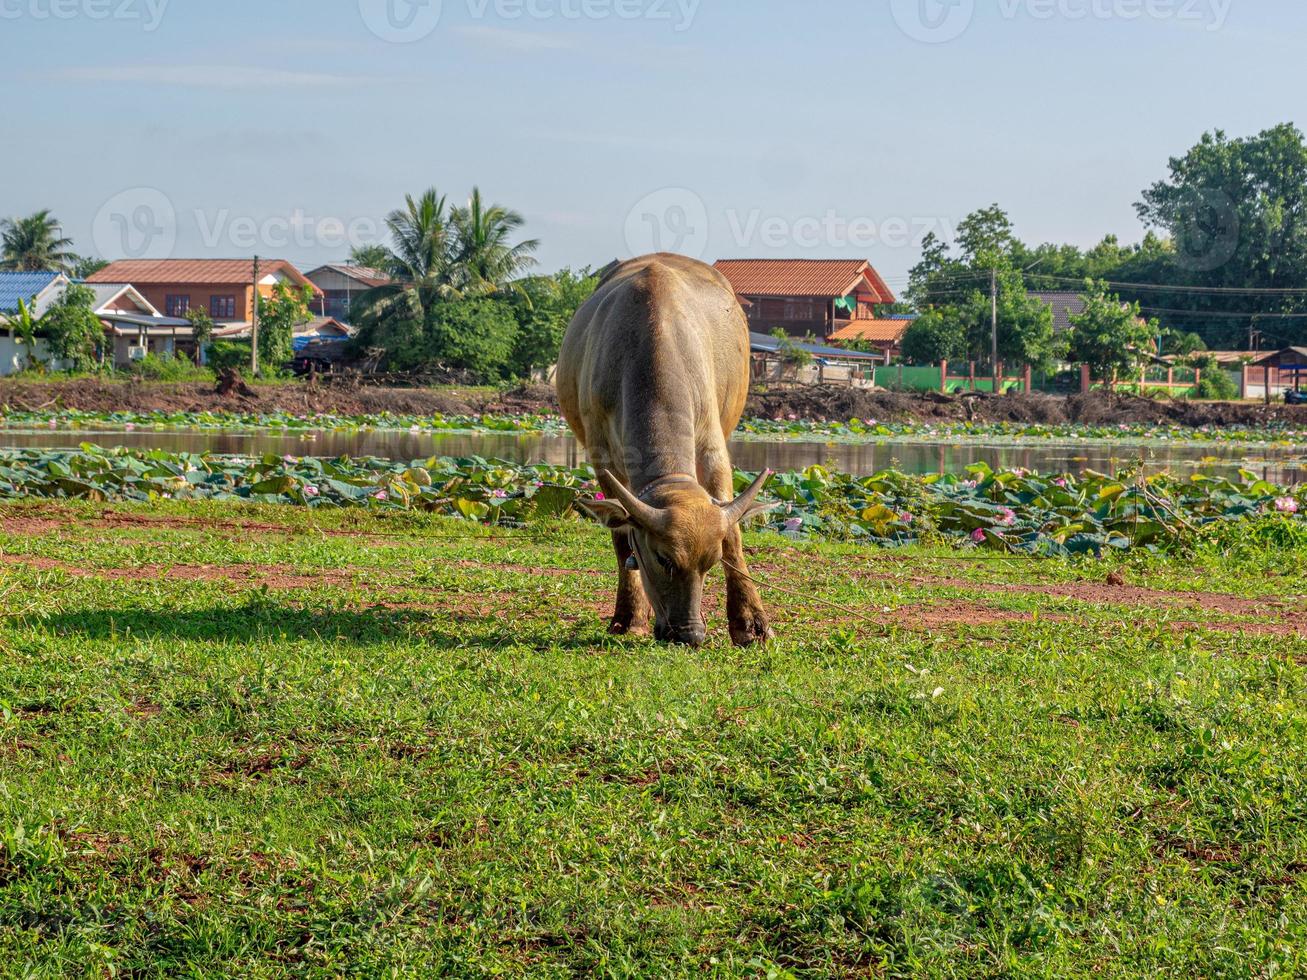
744, 608
632, 613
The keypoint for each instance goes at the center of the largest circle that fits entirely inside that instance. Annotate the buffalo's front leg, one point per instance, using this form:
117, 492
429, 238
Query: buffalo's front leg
744, 609
632, 613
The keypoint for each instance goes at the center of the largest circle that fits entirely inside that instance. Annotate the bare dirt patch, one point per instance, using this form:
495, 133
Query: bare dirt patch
814, 402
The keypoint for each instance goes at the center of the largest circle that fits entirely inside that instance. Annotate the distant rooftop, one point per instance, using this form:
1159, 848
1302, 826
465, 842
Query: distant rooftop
15, 286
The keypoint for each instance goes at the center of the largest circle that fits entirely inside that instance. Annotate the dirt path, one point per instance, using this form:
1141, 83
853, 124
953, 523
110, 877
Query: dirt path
1270, 618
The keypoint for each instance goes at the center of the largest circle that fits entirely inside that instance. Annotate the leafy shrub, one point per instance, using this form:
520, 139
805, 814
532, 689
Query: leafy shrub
1214, 384
169, 367
227, 355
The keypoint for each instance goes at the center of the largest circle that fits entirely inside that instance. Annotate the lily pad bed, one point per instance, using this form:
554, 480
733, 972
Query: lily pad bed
1015, 511
780, 429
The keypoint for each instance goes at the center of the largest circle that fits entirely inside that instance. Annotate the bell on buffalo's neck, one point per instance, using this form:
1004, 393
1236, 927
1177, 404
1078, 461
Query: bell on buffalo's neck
632, 565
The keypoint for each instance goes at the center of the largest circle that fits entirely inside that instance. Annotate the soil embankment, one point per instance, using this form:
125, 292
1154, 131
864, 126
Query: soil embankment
800, 401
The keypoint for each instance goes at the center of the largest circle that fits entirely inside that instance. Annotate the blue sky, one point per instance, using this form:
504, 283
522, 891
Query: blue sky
724, 127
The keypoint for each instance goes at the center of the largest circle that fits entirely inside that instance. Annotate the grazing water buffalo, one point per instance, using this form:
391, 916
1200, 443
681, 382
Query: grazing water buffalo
652, 378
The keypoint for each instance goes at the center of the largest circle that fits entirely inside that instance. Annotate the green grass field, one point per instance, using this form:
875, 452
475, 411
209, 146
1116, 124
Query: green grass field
262, 742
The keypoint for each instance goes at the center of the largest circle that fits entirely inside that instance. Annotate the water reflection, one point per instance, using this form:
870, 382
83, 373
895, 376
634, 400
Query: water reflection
1270, 463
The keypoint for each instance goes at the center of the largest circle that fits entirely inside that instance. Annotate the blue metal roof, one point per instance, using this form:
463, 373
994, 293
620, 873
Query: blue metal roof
767, 344
22, 285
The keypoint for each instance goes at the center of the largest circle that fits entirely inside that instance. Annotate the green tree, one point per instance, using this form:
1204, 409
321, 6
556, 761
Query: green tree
1236, 214
544, 306
85, 266
1109, 335
1213, 383
960, 288
935, 336
475, 335
34, 244
202, 328
72, 330
279, 315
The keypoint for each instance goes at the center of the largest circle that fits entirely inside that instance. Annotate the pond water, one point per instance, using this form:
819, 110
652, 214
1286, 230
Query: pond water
1271, 463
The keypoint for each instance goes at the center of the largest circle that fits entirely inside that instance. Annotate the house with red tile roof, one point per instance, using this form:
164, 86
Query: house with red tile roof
806, 297
222, 287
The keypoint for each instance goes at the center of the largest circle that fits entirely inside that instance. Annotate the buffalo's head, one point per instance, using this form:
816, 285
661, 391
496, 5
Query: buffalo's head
677, 531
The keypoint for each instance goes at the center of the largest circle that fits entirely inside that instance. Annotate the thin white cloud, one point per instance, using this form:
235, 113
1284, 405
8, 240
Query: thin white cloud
207, 76
518, 42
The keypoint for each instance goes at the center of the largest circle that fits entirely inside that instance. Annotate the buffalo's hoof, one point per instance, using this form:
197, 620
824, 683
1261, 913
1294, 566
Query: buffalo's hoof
750, 629
624, 626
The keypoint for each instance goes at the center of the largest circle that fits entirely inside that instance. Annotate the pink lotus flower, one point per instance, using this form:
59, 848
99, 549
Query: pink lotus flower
1006, 516
906, 518
130, 426
792, 417
978, 535
794, 524
1060, 482
1286, 505
381, 495
310, 491
499, 494
600, 496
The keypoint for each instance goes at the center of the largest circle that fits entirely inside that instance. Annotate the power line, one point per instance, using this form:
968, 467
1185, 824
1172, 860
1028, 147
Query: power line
1218, 290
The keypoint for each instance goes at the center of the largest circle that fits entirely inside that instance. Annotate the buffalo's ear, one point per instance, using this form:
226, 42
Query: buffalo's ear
610, 513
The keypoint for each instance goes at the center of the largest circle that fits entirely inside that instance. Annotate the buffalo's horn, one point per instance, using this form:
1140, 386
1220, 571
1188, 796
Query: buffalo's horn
737, 509
641, 513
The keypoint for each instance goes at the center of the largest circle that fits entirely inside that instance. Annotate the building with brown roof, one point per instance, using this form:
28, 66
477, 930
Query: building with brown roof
222, 287
341, 284
886, 335
806, 297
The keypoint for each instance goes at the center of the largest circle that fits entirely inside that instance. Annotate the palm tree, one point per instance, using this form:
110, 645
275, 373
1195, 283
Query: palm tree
374, 256
418, 265
484, 260
34, 244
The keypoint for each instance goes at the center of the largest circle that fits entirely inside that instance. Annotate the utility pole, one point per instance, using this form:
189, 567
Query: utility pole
993, 324
254, 324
